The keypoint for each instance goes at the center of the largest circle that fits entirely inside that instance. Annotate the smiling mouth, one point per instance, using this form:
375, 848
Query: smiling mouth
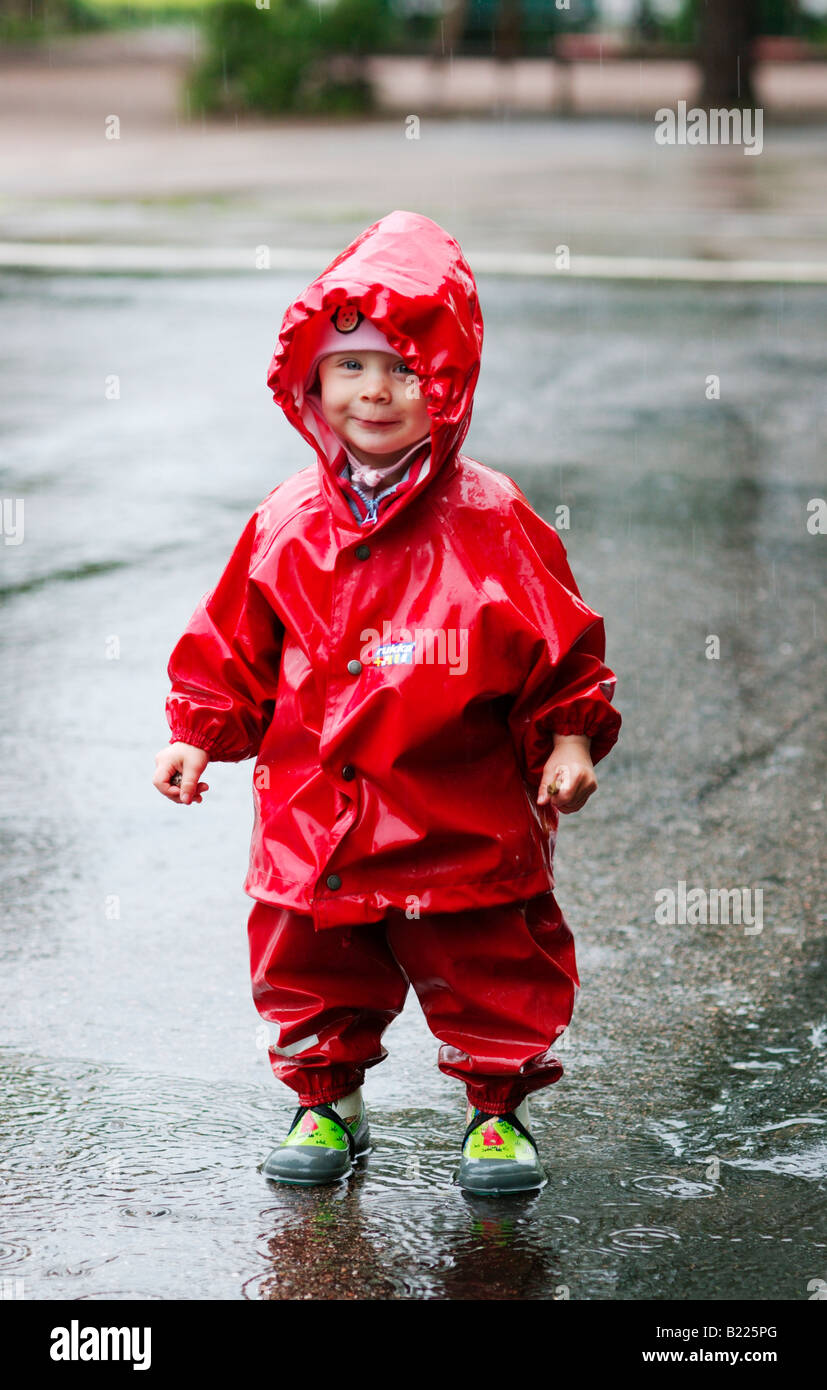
381, 424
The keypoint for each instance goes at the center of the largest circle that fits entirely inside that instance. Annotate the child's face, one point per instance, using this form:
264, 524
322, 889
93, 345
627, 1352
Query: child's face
372, 400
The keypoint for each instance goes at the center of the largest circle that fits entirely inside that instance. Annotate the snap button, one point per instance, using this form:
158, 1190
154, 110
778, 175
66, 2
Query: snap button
362, 552
348, 772
333, 881
354, 667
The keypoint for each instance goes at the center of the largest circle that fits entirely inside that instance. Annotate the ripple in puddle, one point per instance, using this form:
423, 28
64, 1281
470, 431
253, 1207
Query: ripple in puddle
639, 1239
11, 1253
669, 1185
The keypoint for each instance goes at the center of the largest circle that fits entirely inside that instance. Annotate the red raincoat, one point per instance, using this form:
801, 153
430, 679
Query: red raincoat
405, 778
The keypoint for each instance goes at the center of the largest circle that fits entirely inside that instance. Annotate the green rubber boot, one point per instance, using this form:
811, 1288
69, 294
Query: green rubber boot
499, 1156
319, 1148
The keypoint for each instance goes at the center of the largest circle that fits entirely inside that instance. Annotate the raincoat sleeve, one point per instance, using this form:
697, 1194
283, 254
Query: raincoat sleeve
225, 668
568, 688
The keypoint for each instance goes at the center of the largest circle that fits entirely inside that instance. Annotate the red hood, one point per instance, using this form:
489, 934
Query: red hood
410, 278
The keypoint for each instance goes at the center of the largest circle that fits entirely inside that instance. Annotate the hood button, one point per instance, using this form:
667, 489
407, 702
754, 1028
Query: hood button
333, 881
362, 552
348, 772
354, 667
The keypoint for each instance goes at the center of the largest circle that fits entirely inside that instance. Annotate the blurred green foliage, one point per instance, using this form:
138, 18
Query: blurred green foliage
540, 21
652, 20
303, 54
781, 17
25, 21
789, 19
295, 55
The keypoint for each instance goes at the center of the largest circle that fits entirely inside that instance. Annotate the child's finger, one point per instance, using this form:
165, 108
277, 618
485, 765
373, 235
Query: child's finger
548, 788
561, 780
166, 781
571, 795
188, 786
577, 797
191, 790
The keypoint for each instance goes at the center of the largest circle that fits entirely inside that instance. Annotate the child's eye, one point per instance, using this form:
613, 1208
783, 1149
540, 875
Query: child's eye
354, 362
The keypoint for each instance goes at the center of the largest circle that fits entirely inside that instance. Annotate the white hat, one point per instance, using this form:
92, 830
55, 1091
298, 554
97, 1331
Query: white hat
343, 329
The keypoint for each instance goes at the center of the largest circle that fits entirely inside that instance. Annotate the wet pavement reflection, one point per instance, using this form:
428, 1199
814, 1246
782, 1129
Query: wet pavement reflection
685, 1144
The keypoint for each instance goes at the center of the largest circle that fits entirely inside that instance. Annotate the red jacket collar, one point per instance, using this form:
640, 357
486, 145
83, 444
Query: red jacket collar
405, 484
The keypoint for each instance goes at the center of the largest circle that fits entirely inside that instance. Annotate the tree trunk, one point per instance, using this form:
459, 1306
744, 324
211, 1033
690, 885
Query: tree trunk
449, 33
726, 29
509, 30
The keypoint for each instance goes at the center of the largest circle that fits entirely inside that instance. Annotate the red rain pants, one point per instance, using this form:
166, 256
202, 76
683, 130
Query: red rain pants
496, 984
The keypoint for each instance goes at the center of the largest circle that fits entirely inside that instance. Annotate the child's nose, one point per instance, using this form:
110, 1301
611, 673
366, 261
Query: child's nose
375, 384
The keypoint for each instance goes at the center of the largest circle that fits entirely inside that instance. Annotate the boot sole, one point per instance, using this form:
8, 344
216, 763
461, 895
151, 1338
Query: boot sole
317, 1182
501, 1191
307, 1182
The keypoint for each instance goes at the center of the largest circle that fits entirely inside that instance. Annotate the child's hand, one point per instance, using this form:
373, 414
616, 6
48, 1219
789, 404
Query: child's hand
568, 778
180, 763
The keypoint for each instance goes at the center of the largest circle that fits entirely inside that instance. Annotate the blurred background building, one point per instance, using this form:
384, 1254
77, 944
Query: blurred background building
350, 56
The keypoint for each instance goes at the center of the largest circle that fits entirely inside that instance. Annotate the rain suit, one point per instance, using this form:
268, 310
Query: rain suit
399, 677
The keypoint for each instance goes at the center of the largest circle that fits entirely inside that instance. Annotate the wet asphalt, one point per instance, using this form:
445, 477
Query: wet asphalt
685, 1143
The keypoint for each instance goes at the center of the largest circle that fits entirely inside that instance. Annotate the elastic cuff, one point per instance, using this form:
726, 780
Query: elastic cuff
506, 1096
328, 1095
216, 753
603, 737
496, 1105
193, 740
327, 1085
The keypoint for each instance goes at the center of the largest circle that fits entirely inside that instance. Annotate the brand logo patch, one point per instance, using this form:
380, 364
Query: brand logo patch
395, 654
346, 318
491, 1137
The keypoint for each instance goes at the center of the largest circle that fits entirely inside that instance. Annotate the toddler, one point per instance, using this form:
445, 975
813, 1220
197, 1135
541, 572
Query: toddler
397, 639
